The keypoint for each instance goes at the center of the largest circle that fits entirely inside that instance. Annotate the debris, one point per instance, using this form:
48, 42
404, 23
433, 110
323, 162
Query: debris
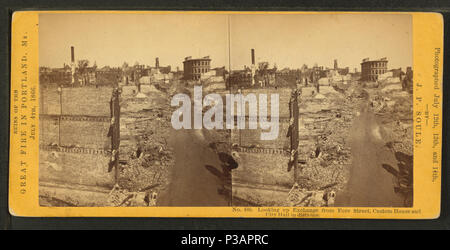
392, 87
141, 95
317, 198
152, 199
138, 200
119, 197
319, 96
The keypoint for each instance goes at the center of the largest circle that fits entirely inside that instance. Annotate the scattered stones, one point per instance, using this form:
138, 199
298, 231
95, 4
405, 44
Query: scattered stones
325, 155
302, 197
145, 156
392, 87
119, 197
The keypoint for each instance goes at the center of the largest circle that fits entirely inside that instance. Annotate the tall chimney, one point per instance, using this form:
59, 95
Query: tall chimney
253, 56
72, 63
252, 67
335, 64
157, 63
72, 54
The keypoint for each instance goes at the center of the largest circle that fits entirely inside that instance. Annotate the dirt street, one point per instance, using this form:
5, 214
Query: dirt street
369, 184
192, 182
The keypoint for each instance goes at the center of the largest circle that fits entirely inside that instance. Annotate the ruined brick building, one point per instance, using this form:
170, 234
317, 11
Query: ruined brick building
195, 67
371, 69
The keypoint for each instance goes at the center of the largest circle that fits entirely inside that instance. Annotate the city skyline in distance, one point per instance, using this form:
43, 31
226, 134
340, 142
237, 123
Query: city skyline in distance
287, 40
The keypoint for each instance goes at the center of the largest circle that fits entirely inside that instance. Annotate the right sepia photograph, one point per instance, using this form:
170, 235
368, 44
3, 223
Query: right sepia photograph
220, 109
346, 110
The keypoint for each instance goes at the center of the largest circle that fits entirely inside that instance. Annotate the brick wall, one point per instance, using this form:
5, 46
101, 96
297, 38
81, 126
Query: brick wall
89, 101
263, 168
74, 146
83, 168
263, 163
284, 97
90, 133
48, 130
252, 137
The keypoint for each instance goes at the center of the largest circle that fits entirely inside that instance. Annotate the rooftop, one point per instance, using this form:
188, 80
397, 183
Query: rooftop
189, 58
366, 60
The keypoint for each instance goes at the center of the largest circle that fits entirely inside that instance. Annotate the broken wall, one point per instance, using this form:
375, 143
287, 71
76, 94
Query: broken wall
74, 146
262, 171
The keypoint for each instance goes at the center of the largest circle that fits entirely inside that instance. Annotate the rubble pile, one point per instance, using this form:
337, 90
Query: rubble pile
324, 153
119, 197
395, 109
325, 127
302, 197
150, 168
145, 157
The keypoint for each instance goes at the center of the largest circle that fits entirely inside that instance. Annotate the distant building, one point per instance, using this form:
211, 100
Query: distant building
288, 76
370, 70
398, 73
343, 71
178, 74
240, 78
158, 69
221, 71
194, 68
265, 76
55, 75
317, 73
107, 75
165, 70
138, 71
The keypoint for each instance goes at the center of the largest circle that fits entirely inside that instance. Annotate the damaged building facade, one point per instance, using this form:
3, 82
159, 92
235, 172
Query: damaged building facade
371, 69
195, 67
145, 74
79, 73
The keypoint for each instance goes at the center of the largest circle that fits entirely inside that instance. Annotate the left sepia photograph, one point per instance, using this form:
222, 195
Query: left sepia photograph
106, 138
217, 110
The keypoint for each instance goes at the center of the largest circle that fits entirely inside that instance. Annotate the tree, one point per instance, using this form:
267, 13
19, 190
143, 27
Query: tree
262, 72
125, 66
83, 70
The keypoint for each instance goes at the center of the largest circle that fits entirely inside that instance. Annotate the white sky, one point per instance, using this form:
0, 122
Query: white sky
289, 40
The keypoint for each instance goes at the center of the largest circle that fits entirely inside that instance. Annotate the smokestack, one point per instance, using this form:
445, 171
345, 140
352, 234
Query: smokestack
253, 67
72, 54
335, 64
157, 63
72, 64
253, 56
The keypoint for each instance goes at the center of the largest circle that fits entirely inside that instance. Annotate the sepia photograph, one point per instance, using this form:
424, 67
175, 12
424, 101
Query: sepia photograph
196, 109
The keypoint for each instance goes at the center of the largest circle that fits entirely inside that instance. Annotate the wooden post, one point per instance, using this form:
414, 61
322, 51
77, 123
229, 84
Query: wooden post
293, 132
60, 115
115, 133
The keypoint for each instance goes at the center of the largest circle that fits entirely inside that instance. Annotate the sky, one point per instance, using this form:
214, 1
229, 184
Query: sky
287, 40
